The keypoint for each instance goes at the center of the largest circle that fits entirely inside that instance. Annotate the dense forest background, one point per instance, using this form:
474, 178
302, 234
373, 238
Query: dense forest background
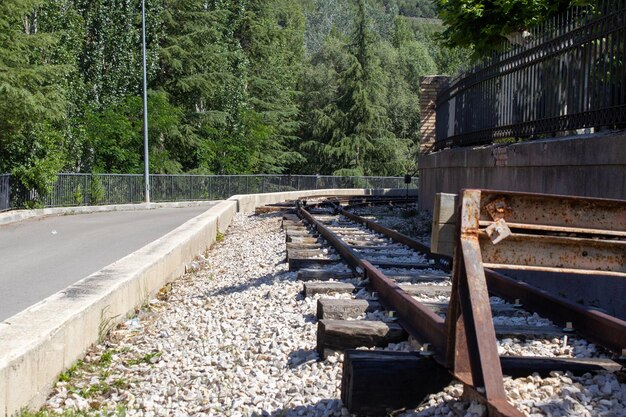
235, 86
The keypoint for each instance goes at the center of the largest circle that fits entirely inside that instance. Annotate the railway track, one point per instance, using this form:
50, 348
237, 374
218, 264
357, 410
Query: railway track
377, 287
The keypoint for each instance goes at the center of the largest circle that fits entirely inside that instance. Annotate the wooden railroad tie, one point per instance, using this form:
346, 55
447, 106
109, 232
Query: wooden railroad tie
340, 335
298, 263
377, 382
298, 245
341, 309
304, 253
312, 288
303, 240
322, 275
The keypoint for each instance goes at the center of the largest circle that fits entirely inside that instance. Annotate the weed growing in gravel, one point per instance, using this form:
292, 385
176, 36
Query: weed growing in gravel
106, 324
71, 371
219, 237
148, 358
119, 411
106, 358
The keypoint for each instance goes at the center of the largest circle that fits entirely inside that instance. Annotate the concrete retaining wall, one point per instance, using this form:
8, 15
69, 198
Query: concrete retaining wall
591, 166
246, 203
37, 344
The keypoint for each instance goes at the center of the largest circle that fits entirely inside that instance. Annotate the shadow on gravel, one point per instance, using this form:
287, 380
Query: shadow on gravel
323, 408
267, 279
301, 357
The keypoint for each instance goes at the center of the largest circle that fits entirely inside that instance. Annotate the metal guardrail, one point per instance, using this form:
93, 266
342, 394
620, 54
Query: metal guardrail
570, 75
87, 189
5, 192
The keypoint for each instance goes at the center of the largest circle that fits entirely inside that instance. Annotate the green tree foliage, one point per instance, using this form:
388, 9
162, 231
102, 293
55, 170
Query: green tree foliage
360, 100
203, 71
114, 135
235, 86
484, 25
33, 101
417, 8
273, 39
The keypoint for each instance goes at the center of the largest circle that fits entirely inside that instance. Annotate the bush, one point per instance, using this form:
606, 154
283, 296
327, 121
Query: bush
97, 190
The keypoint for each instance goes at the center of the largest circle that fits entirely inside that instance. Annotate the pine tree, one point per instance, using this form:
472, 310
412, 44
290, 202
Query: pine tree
203, 70
272, 38
355, 123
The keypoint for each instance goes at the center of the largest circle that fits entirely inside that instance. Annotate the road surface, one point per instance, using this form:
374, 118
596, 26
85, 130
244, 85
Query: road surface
40, 257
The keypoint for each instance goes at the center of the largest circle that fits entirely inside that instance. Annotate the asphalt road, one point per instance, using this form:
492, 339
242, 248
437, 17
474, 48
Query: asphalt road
40, 257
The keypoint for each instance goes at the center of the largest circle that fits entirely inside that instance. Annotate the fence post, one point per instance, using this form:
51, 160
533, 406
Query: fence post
429, 88
85, 190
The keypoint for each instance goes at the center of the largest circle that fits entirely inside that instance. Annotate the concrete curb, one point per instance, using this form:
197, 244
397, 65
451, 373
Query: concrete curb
43, 340
20, 215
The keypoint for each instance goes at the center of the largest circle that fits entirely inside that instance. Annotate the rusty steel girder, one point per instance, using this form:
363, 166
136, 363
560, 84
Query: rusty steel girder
521, 231
498, 229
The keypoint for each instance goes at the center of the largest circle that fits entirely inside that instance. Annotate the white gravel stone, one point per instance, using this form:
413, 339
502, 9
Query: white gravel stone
236, 338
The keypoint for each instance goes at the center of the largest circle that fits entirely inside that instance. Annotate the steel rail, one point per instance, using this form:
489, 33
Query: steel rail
598, 327
601, 328
426, 326
445, 262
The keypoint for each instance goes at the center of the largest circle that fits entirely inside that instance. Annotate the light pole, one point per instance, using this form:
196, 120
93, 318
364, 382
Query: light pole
146, 156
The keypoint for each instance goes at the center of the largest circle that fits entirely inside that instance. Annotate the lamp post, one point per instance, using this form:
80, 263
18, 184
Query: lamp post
145, 105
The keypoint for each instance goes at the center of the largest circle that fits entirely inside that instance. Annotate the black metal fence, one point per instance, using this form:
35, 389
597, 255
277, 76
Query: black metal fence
88, 189
569, 74
5, 192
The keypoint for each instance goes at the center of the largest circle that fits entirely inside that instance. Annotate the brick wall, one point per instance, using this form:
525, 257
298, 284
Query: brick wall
429, 87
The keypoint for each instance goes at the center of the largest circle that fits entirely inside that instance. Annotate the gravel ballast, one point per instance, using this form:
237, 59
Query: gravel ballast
236, 338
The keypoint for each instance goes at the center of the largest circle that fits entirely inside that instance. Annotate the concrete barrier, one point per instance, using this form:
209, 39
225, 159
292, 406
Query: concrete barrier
246, 203
37, 344
43, 340
20, 215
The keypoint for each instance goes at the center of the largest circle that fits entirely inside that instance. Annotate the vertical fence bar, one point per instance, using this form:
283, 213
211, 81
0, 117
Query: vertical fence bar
570, 75
5, 192
121, 188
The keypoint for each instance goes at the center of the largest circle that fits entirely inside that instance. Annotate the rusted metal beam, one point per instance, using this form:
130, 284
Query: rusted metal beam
555, 254
472, 348
559, 234
554, 210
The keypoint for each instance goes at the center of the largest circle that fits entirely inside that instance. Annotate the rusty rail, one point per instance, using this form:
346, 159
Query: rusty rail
484, 238
465, 342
